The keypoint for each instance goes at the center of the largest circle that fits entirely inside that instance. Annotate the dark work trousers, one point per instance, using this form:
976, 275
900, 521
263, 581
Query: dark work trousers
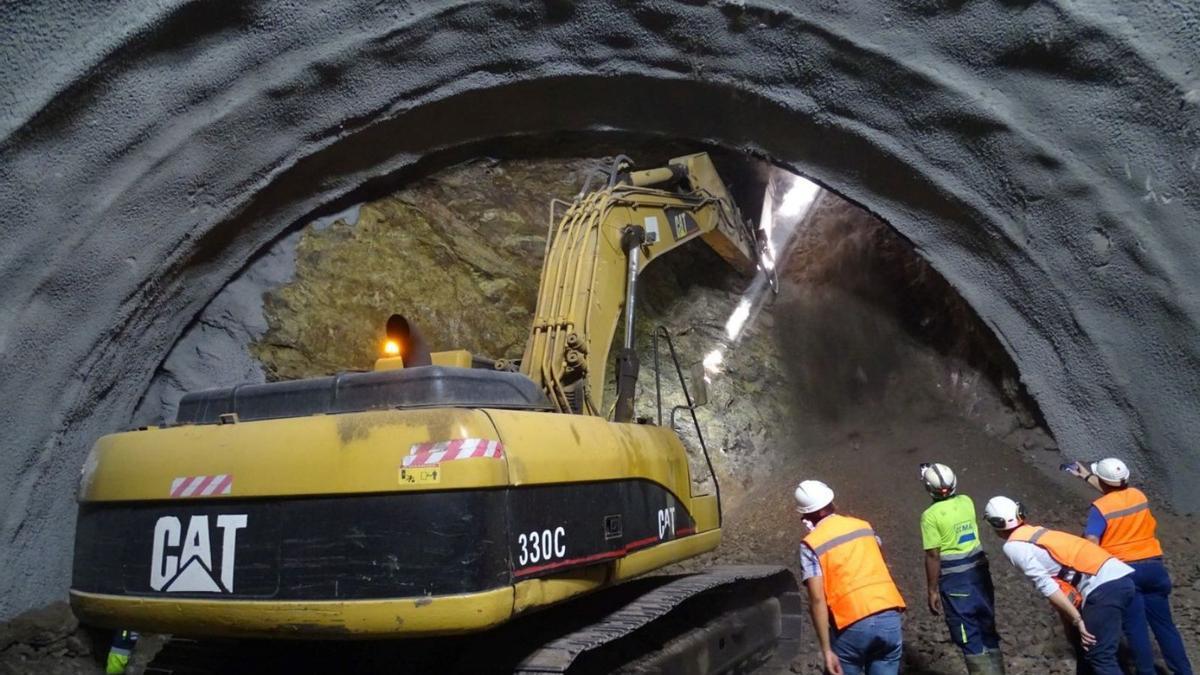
969, 601
1104, 615
1152, 606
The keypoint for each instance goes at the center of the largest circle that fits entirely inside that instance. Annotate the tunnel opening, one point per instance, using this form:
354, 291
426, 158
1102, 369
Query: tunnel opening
855, 297
845, 256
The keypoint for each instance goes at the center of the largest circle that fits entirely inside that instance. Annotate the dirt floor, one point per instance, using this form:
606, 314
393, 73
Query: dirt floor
881, 387
871, 458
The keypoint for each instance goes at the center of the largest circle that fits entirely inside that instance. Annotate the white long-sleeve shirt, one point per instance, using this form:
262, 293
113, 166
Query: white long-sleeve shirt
1042, 568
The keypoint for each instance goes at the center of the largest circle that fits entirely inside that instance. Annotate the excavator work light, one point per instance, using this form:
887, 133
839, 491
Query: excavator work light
407, 341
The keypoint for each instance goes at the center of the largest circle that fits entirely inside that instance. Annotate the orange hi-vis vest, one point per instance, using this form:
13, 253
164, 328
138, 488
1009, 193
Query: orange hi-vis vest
1076, 555
1131, 527
857, 582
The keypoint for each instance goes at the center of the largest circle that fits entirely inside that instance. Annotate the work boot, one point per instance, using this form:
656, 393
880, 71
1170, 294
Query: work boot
988, 663
996, 662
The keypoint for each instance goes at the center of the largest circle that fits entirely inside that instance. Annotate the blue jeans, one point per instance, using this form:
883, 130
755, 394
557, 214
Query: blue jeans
1151, 611
969, 600
870, 646
1104, 614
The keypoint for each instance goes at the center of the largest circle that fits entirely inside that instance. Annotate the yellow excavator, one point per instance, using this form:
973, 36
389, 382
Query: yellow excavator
441, 493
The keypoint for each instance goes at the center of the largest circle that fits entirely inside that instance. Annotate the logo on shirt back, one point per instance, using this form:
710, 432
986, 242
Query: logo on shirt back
966, 533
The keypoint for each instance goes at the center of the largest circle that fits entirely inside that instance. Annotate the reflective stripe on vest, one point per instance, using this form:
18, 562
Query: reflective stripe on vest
856, 579
1075, 555
1130, 532
963, 562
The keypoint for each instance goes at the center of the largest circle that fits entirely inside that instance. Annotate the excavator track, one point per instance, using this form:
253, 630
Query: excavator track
725, 620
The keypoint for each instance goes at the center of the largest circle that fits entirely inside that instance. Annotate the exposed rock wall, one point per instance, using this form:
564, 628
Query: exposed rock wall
459, 253
851, 278
1042, 156
747, 425
47, 641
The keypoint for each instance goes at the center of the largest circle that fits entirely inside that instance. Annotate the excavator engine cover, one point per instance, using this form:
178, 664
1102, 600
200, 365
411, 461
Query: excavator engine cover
422, 387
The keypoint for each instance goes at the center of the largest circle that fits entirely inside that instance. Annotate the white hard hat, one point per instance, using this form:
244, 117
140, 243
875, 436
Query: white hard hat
939, 480
812, 495
1003, 513
1111, 471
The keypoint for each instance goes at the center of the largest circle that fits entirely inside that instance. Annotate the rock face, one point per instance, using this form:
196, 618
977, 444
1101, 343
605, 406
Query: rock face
459, 254
1042, 156
47, 641
857, 297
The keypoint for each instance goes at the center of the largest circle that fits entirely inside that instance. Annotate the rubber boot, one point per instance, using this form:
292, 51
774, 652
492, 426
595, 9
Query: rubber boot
977, 664
996, 658
988, 663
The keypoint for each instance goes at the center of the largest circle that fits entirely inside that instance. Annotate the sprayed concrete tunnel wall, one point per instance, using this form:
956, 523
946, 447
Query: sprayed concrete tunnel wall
1043, 156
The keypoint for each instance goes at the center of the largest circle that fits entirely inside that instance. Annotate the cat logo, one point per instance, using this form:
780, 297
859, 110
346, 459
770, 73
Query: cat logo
183, 562
682, 223
666, 523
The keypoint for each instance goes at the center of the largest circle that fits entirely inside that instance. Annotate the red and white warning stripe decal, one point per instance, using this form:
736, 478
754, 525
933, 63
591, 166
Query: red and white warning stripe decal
427, 454
202, 486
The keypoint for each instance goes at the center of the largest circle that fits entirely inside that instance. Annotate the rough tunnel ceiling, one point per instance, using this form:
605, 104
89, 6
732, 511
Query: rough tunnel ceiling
1043, 157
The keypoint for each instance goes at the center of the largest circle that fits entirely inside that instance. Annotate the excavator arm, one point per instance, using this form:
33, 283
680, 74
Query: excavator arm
589, 277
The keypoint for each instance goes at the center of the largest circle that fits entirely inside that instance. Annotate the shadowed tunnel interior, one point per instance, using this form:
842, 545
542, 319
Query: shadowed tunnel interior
1042, 157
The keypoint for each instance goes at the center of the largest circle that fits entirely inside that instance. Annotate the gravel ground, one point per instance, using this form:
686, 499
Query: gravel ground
872, 465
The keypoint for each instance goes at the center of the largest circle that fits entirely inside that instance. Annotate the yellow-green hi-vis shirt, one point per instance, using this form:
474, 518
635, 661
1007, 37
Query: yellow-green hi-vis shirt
949, 526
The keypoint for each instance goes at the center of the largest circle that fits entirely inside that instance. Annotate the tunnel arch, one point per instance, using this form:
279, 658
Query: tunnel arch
1042, 159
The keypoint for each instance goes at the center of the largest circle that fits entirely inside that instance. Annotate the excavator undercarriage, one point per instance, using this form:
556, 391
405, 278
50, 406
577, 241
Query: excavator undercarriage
727, 620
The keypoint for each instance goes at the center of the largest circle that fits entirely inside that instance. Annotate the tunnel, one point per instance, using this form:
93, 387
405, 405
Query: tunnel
1041, 157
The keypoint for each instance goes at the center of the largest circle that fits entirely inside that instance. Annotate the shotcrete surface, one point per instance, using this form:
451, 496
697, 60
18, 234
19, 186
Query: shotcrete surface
1043, 156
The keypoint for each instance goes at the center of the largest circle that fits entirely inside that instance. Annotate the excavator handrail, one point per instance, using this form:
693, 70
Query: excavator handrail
691, 407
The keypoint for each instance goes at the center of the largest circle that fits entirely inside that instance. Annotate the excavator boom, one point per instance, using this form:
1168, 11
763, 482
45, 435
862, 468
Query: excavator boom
605, 240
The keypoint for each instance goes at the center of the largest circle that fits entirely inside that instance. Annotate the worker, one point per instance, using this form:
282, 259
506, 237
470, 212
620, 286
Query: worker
122, 646
1121, 522
849, 586
956, 571
1089, 587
